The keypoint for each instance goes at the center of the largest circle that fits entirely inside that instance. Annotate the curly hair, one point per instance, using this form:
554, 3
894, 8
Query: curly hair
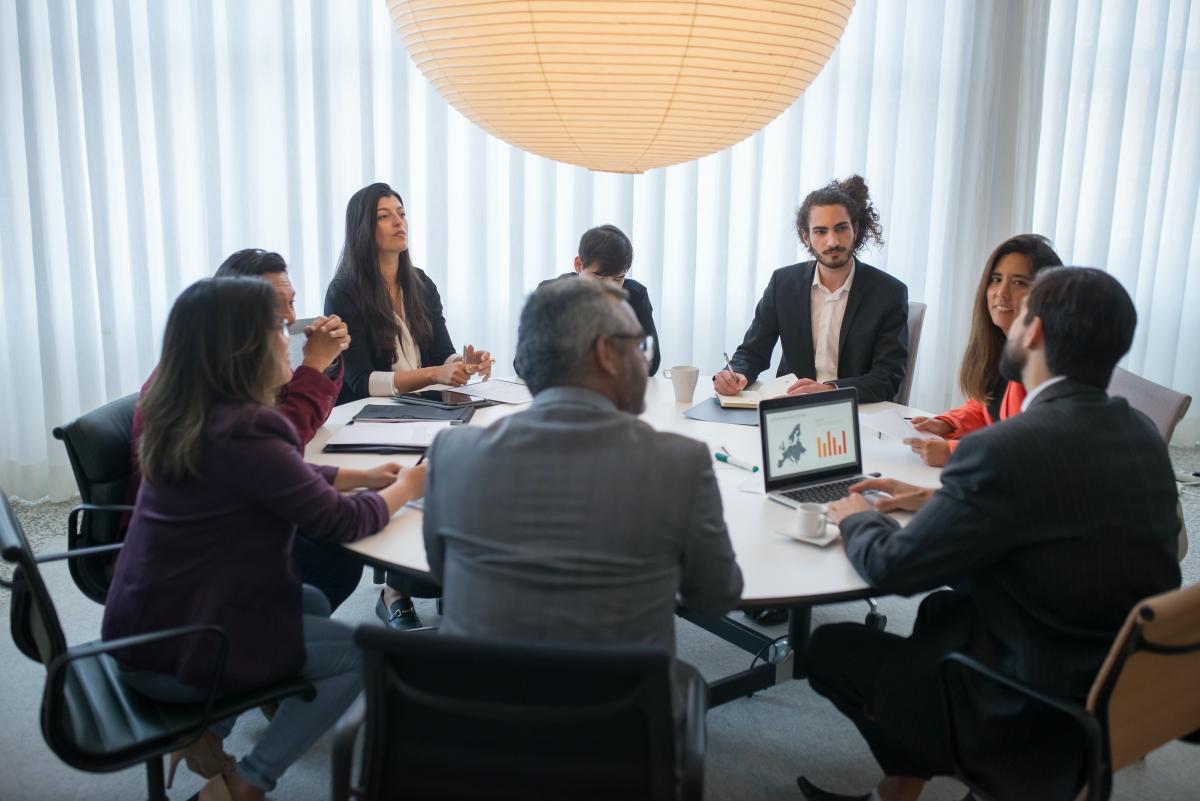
852, 195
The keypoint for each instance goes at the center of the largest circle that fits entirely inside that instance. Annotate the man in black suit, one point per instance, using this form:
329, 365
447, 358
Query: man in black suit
843, 323
1050, 525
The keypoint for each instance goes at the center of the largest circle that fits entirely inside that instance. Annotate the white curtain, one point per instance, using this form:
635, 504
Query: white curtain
142, 141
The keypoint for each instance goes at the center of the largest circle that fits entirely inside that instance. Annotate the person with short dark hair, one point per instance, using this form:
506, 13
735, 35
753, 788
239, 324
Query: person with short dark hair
606, 254
584, 523
1007, 278
1050, 526
843, 323
224, 488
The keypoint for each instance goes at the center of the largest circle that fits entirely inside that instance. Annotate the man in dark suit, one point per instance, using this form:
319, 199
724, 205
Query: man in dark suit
1051, 526
843, 323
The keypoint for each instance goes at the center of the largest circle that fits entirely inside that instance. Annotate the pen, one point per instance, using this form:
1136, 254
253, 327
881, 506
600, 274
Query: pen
728, 365
421, 459
733, 460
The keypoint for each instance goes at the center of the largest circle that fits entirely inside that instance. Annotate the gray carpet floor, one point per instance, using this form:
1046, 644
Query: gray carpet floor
756, 746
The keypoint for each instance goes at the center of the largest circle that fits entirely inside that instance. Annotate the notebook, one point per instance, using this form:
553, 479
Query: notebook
811, 448
750, 397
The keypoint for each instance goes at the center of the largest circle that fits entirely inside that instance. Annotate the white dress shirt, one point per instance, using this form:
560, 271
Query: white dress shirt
1049, 382
828, 309
408, 357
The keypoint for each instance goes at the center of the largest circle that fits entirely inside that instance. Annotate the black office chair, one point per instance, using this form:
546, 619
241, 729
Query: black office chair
465, 720
98, 448
90, 718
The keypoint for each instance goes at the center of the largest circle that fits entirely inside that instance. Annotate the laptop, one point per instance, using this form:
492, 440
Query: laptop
811, 449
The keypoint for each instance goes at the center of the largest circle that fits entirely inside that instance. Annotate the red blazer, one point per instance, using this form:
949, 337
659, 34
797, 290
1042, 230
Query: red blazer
973, 415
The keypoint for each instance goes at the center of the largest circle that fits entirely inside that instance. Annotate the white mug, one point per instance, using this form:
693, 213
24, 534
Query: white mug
811, 519
683, 378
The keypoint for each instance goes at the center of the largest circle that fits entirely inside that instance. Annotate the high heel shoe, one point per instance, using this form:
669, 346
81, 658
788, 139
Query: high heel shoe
206, 757
215, 790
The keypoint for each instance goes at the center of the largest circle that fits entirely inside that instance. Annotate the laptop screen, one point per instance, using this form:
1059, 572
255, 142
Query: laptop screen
809, 436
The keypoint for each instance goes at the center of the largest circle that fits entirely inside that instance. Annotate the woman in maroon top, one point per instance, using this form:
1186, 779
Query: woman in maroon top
224, 488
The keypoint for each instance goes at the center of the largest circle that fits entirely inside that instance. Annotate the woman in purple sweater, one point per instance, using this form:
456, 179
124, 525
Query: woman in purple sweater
224, 488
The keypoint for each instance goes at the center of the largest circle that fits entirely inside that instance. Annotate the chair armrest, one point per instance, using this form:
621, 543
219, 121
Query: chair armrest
56, 671
691, 780
1088, 725
75, 553
73, 517
343, 749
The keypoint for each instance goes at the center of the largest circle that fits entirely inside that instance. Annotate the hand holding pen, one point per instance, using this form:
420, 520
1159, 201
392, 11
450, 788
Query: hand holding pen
727, 382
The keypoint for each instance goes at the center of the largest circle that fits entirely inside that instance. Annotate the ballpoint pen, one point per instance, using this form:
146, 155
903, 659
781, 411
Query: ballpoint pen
728, 365
729, 459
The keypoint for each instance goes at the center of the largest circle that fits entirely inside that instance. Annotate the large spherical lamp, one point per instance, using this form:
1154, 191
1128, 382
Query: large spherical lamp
620, 86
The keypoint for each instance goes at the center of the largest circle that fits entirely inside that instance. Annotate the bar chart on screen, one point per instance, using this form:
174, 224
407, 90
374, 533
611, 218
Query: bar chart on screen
829, 445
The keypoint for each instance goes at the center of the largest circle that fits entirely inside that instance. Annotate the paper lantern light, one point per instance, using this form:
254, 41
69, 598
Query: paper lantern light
620, 86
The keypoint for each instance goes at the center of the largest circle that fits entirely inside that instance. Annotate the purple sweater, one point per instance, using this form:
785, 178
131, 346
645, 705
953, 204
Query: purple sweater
218, 549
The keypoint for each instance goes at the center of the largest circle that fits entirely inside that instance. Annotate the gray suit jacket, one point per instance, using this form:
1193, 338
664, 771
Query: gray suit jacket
573, 521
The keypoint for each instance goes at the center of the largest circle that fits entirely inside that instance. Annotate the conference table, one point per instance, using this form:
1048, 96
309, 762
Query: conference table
778, 571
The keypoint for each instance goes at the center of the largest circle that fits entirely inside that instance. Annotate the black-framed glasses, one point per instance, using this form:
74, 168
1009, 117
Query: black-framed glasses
645, 344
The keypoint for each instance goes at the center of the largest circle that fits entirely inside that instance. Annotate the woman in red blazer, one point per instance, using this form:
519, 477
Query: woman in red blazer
1006, 279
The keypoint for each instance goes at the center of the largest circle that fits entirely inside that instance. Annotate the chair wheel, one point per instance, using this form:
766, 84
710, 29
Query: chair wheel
876, 620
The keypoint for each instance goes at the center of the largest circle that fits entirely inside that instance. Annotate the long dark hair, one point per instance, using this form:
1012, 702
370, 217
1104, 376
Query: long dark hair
852, 195
358, 266
981, 360
218, 346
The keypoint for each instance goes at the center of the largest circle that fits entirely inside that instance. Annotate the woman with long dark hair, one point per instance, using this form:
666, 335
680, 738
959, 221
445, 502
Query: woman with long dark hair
224, 486
1007, 277
400, 342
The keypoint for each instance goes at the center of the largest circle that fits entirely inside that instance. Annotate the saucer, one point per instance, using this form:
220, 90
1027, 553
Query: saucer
832, 532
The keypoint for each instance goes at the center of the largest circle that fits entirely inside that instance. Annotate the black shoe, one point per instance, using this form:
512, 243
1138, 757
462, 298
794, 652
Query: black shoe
814, 793
401, 615
768, 616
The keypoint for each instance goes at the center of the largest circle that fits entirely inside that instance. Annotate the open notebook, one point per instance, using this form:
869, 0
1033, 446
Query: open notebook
749, 397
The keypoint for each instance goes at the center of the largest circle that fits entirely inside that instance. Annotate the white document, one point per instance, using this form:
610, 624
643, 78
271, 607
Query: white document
753, 485
749, 397
891, 423
499, 390
410, 435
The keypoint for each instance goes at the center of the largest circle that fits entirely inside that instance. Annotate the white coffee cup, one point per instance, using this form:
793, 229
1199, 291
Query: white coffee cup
683, 378
811, 519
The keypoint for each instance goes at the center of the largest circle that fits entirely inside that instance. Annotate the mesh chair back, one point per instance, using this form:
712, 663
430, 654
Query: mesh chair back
1147, 687
36, 630
1164, 406
98, 447
450, 718
916, 319
297, 340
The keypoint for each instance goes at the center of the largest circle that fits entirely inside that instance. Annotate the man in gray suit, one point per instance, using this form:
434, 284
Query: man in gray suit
573, 520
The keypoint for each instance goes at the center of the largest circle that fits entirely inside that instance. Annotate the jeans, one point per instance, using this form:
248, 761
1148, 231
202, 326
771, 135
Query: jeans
333, 666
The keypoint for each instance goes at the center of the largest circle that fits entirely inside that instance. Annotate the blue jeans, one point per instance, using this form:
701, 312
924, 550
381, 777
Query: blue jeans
333, 666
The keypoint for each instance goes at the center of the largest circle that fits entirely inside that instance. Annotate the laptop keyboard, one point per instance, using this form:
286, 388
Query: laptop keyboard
823, 493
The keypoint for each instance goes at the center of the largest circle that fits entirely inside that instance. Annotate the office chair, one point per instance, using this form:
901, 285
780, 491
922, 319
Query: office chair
468, 719
1144, 696
916, 320
1164, 406
91, 719
97, 446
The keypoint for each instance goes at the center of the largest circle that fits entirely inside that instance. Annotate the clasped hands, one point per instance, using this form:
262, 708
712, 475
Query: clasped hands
904, 498
326, 338
727, 382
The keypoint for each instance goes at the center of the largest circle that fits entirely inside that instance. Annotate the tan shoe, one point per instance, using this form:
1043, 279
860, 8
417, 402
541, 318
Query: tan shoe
206, 757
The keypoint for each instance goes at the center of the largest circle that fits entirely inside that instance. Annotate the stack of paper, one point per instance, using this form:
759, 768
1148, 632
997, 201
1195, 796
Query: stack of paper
499, 390
758, 391
891, 423
381, 437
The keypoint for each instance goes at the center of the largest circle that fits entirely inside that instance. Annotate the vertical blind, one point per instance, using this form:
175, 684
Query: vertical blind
142, 141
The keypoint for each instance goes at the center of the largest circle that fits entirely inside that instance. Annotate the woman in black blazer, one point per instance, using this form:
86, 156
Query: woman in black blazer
392, 309
399, 342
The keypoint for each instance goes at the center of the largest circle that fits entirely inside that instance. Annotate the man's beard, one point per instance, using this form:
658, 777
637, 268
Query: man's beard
1012, 361
833, 261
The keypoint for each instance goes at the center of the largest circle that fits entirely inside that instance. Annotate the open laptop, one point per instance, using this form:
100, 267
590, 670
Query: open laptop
811, 448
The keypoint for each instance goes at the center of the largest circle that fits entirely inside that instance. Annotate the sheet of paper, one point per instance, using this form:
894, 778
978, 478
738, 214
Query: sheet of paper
758, 391
499, 390
891, 423
753, 485
418, 434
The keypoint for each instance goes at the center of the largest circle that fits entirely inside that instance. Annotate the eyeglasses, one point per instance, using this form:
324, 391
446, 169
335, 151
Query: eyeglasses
645, 344
285, 328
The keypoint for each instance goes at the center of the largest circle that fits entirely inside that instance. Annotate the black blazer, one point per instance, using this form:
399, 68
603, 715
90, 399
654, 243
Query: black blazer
362, 357
873, 345
639, 299
1053, 524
